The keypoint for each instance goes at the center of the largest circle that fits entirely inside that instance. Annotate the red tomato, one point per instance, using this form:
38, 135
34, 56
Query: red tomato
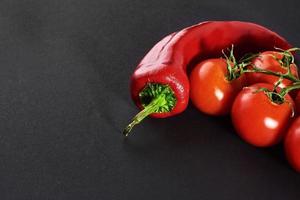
268, 60
210, 92
257, 119
292, 145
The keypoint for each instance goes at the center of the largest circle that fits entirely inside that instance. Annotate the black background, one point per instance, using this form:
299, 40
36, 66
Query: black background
64, 100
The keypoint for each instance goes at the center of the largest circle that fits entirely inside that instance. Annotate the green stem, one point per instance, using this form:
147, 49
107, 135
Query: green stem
288, 76
155, 98
287, 89
238, 69
149, 109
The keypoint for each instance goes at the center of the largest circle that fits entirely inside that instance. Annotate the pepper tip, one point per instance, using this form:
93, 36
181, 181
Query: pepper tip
127, 130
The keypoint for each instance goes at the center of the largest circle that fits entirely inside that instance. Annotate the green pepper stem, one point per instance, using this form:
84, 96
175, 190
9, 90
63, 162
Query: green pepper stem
155, 98
148, 110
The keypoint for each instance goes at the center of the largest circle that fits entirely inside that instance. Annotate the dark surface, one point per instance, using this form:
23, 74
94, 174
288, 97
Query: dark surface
64, 100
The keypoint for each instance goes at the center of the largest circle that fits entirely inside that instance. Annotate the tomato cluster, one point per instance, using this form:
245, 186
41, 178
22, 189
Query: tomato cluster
261, 95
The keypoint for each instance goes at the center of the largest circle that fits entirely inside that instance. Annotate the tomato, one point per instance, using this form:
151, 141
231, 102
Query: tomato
257, 119
292, 144
268, 60
210, 91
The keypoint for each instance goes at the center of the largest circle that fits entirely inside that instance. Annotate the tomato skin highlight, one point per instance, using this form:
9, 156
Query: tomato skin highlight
292, 145
210, 91
258, 120
268, 61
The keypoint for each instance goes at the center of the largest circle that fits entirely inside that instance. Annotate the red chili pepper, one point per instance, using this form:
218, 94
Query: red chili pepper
160, 84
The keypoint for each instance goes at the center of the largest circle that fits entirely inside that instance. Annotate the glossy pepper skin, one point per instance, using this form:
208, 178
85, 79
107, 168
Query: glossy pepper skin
166, 63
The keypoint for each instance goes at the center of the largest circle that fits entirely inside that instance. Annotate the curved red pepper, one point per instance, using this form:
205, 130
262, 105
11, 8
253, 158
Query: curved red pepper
167, 61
